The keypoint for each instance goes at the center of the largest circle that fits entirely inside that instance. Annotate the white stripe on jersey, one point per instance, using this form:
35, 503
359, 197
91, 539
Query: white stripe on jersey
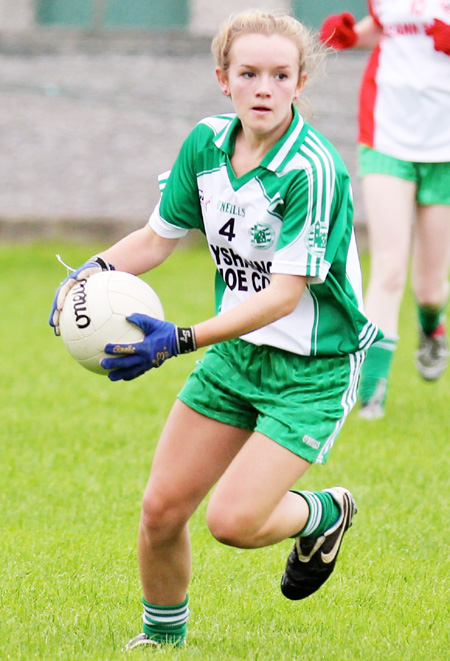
284, 151
315, 330
324, 180
367, 335
314, 151
162, 180
217, 124
330, 170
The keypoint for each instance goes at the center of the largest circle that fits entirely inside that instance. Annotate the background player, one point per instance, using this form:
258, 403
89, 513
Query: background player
272, 392
404, 156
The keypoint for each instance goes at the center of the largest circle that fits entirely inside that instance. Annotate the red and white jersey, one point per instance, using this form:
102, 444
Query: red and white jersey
405, 94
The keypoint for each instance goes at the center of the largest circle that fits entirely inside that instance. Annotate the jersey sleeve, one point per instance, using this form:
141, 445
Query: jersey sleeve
179, 208
374, 14
318, 213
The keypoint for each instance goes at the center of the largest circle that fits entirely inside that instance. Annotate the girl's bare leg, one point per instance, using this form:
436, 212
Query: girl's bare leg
192, 453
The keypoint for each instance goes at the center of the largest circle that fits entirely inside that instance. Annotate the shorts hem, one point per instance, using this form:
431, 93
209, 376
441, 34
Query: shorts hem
214, 415
430, 178
312, 457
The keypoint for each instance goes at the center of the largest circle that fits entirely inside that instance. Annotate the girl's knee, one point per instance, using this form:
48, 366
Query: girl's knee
230, 527
162, 515
391, 277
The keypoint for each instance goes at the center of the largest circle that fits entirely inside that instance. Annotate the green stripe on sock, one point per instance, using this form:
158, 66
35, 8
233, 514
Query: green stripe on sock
315, 512
166, 624
430, 317
323, 513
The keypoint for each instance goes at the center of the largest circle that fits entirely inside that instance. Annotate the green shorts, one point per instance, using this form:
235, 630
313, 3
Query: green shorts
432, 179
300, 402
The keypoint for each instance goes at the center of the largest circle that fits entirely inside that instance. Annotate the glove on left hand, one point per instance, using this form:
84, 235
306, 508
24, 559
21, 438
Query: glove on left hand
440, 32
162, 340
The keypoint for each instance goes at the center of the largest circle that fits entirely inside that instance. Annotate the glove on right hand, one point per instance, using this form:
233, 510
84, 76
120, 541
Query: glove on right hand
94, 265
162, 340
338, 31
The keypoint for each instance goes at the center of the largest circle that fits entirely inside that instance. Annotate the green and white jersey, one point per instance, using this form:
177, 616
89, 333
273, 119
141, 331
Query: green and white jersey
292, 214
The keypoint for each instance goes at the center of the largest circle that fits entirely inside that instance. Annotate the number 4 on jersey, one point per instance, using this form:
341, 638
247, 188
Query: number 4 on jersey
228, 229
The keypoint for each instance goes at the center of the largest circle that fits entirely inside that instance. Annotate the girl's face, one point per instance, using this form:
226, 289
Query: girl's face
263, 81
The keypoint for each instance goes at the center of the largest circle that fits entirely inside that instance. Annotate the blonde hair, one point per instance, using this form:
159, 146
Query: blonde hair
267, 24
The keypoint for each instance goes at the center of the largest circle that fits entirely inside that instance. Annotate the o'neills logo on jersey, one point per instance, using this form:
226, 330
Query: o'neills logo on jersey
445, 4
203, 201
232, 209
262, 236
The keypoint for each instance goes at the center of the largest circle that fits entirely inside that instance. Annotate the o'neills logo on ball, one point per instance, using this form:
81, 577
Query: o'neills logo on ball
82, 319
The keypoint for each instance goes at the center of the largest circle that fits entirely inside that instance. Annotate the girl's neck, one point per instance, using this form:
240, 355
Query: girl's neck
249, 151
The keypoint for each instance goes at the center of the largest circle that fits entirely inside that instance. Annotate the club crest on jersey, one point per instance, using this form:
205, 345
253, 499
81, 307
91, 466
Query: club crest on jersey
262, 236
446, 5
317, 240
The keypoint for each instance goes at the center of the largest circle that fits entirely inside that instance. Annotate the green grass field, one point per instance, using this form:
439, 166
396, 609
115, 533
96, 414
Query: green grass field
75, 455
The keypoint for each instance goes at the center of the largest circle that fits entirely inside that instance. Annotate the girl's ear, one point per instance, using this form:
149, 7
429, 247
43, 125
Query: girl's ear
223, 81
300, 85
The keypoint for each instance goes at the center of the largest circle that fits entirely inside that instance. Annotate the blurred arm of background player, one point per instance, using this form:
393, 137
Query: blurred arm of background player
341, 31
368, 33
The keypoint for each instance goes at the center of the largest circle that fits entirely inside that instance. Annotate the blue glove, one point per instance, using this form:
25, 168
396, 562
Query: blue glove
94, 265
162, 340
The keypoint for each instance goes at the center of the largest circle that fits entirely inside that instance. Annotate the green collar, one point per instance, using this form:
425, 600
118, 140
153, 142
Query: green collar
281, 152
